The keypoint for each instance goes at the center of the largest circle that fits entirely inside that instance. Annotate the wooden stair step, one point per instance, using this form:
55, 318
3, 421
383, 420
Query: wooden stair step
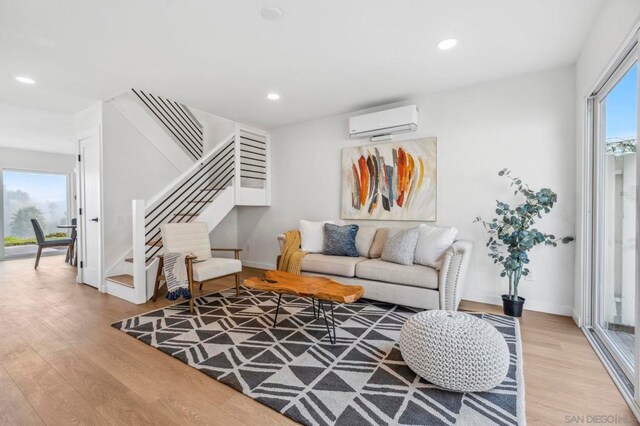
200, 202
124, 279
154, 243
130, 260
186, 214
212, 189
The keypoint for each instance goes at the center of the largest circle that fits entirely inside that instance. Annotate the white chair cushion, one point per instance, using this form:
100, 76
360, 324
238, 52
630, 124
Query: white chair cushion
433, 242
414, 275
186, 238
344, 266
312, 235
215, 267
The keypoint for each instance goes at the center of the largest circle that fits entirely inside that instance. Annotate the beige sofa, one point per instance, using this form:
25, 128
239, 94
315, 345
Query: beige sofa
416, 285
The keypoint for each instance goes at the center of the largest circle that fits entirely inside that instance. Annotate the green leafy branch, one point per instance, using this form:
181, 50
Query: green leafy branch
512, 233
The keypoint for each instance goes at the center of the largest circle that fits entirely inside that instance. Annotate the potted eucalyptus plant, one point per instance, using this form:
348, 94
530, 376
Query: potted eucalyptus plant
512, 234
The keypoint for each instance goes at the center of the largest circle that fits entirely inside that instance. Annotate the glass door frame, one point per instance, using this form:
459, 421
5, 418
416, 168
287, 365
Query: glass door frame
629, 385
599, 145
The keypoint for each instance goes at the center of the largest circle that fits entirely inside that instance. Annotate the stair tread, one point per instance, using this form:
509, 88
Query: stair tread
130, 260
186, 214
124, 279
212, 189
198, 202
154, 243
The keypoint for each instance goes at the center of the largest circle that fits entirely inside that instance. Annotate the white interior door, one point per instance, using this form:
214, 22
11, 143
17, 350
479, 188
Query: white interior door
90, 203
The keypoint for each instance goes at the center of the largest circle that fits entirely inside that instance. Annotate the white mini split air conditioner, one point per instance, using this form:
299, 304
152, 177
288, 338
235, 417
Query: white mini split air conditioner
382, 125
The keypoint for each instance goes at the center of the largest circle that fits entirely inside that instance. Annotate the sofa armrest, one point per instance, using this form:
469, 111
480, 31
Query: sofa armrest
281, 239
455, 265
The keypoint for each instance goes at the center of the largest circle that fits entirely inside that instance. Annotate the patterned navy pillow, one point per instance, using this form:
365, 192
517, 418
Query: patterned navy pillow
340, 240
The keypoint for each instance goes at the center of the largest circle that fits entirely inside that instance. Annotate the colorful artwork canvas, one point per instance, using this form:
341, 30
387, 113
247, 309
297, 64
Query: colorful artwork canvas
390, 181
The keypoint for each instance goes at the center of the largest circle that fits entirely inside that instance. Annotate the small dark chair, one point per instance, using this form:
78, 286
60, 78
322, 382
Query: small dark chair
44, 243
72, 251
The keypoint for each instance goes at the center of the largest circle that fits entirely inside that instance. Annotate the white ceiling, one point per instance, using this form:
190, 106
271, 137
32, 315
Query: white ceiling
324, 57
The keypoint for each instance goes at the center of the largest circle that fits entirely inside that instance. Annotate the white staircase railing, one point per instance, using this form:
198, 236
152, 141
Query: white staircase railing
190, 193
178, 120
207, 191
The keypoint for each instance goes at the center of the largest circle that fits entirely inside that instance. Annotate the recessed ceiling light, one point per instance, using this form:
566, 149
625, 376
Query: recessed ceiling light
25, 80
447, 43
271, 13
273, 96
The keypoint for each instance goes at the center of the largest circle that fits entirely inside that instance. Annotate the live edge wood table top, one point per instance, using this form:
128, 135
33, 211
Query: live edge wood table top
320, 288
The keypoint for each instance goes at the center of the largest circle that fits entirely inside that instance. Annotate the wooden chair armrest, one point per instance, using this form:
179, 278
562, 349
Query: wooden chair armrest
189, 256
236, 251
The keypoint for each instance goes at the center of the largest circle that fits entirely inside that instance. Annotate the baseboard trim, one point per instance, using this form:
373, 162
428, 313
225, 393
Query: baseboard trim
530, 305
577, 318
260, 265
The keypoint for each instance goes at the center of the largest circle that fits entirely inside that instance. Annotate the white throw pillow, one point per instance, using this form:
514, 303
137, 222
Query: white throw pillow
433, 242
312, 235
364, 239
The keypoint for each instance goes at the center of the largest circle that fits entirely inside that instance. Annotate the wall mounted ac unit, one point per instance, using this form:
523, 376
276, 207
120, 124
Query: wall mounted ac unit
382, 125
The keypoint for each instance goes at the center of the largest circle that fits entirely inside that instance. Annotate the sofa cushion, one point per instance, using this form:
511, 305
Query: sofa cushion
312, 235
400, 246
215, 267
340, 240
433, 242
332, 265
378, 242
364, 239
414, 275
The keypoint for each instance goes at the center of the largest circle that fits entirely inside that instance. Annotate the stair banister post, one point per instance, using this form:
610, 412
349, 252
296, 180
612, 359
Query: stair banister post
236, 169
139, 257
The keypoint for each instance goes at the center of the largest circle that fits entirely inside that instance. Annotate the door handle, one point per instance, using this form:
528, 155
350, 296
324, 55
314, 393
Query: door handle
95, 219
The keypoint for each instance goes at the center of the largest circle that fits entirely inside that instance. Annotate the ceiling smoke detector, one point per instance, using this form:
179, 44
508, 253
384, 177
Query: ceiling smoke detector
271, 13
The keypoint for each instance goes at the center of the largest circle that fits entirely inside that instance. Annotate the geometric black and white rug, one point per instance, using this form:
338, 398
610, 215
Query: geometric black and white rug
294, 369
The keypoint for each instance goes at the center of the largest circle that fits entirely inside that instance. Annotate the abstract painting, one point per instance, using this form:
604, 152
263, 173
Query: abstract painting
390, 181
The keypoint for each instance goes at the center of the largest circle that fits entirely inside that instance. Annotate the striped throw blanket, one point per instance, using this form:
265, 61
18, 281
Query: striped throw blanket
291, 258
175, 275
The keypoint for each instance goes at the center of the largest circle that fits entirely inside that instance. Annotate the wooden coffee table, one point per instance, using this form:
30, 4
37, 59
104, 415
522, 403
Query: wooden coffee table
321, 289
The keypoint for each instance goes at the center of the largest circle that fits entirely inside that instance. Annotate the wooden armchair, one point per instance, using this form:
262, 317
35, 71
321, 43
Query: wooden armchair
193, 239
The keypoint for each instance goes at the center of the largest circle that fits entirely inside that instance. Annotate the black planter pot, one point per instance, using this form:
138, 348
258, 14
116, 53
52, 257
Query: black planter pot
511, 307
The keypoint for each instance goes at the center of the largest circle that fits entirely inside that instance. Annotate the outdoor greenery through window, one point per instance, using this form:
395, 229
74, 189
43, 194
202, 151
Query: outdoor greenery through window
33, 195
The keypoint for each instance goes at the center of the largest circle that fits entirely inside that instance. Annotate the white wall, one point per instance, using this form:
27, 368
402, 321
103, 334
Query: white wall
524, 123
37, 130
614, 25
225, 235
11, 158
216, 128
132, 169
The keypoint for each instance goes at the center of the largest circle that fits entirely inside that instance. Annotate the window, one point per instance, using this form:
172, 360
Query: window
33, 195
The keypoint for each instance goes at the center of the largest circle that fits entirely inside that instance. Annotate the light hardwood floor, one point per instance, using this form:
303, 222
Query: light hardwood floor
62, 363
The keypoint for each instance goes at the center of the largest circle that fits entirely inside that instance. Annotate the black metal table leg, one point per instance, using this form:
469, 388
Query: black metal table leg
332, 338
275, 319
313, 303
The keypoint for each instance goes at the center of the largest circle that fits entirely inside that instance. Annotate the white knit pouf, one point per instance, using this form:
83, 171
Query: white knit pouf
454, 350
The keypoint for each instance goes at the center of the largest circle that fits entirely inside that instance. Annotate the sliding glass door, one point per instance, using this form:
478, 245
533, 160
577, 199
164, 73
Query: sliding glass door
615, 215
